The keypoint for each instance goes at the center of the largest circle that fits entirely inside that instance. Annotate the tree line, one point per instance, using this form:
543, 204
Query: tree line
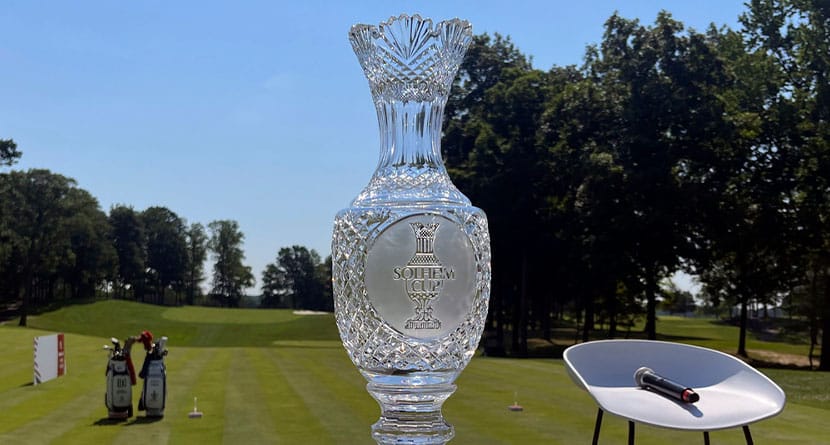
58, 246
667, 149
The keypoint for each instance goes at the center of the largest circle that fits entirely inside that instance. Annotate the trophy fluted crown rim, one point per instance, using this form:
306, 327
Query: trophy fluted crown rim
465, 25
411, 58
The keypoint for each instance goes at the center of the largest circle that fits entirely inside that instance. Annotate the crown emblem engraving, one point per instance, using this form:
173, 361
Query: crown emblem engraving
424, 277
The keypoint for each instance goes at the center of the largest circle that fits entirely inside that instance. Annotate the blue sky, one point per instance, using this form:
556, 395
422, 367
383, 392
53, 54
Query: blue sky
249, 110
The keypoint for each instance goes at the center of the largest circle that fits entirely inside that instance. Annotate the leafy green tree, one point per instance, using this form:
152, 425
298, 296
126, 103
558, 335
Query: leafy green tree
275, 287
811, 47
293, 280
324, 274
583, 205
166, 245
792, 37
490, 147
749, 206
602, 239
9, 290
661, 88
807, 302
54, 240
9, 154
34, 208
196, 255
676, 300
230, 276
128, 237
92, 259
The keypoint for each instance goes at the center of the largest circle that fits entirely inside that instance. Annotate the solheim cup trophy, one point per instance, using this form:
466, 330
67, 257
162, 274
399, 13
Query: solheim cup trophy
411, 255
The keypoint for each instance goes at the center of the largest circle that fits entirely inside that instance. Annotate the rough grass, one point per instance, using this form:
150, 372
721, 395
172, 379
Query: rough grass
275, 377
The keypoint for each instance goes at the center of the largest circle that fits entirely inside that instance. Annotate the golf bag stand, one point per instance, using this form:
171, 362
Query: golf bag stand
154, 373
119, 396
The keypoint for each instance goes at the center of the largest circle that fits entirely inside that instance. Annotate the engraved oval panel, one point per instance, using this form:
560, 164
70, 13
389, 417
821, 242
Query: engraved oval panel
420, 275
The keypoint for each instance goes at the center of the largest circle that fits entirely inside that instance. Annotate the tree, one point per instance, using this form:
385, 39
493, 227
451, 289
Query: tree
9, 154
584, 205
34, 209
166, 249
662, 86
751, 222
54, 240
792, 37
230, 276
196, 256
275, 287
294, 280
92, 259
323, 273
128, 238
675, 299
490, 148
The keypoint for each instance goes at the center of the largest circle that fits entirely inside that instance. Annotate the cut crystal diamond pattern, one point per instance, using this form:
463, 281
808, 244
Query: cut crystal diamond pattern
410, 184
408, 59
371, 343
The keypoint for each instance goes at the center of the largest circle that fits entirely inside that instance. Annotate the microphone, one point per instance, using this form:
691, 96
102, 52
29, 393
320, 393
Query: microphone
646, 378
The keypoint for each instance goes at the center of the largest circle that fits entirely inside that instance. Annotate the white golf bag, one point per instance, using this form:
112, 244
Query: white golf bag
119, 396
154, 373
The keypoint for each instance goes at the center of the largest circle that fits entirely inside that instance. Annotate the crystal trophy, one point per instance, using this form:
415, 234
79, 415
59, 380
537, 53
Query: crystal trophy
411, 255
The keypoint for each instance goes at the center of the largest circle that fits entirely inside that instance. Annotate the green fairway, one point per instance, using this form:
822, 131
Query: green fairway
269, 376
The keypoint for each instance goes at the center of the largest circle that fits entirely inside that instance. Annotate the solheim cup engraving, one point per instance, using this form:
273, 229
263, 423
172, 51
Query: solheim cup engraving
420, 276
424, 277
411, 255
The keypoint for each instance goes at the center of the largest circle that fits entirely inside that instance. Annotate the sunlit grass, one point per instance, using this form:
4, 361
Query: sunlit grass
259, 381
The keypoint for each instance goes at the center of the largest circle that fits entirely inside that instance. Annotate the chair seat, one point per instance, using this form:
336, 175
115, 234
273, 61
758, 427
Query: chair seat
732, 393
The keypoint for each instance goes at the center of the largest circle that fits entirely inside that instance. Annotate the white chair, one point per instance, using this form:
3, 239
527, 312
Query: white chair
732, 393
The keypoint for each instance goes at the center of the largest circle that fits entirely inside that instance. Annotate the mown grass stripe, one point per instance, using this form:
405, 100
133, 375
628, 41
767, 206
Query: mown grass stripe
55, 418
14, 397
15, 373
488, 386
334, 391
338, 363
247, 419
209, 385
25, 404
284, 406
294, 418
487, 390
798, 424
184, 367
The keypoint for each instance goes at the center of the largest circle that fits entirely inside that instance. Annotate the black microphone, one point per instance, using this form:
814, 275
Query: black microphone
647, 378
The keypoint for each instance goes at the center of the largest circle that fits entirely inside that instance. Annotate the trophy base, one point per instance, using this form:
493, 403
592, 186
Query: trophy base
411, 415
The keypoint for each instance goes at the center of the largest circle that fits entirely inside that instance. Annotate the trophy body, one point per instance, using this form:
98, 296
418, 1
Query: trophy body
411, 255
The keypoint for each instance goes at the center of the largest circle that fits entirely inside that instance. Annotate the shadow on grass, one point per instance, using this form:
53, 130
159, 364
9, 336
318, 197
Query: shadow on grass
27, 384
768, 364
143, 420
680, 338
551, 350
772, 330
104, 421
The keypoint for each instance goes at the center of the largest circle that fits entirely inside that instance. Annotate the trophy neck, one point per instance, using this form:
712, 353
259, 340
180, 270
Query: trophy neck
410, 170
410, 135
410, 64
